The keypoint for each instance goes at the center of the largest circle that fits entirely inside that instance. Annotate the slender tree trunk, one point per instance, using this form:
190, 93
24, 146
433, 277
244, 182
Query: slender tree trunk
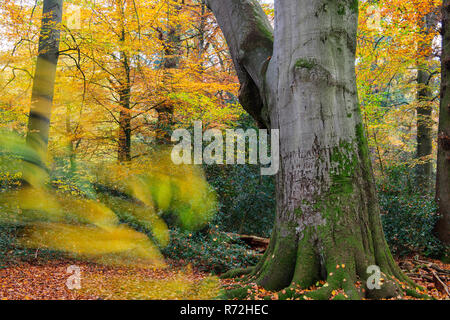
424, 130
443, 160
424, 112
70, 143
328, 222
124, 145
172, 55
124, 150
44, 78
202, 31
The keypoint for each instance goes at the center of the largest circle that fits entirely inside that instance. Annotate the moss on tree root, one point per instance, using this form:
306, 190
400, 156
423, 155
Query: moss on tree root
335, 288
338, 256
324, 253
236, 273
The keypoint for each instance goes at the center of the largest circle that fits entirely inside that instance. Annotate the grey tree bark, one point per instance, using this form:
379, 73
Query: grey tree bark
328, 222
443, 160
44, 78
250, 40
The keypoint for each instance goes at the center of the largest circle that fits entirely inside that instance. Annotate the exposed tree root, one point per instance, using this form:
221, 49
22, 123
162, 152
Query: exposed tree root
236, 293
338, 281
235, 273
336, 288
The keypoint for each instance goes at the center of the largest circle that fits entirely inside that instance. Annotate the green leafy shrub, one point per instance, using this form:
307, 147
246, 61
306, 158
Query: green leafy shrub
210, 251
409, 215
246, 198
11, 253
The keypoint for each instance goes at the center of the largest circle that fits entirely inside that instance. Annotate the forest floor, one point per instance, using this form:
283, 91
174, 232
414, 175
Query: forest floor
432, 275
47, 280
50, 280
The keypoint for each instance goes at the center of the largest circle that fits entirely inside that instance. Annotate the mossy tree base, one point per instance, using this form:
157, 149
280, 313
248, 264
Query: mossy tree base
334, 235
336, 287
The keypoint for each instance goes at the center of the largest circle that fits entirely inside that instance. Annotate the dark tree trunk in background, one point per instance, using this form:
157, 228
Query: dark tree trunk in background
424, 168
44, 78
124, 150
172, 56
202, 30
328, 222
424, 130
70, 143
124, 143
443, 160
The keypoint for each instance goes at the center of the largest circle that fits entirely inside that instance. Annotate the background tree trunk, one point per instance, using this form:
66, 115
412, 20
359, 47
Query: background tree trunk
171, 61
71, 148
424, 111
443, 160
328, 222
124, 146
424, 130
124, 150
44, 78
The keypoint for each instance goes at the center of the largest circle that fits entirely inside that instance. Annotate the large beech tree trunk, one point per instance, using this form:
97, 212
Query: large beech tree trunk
44, 77
328, 222
443, 160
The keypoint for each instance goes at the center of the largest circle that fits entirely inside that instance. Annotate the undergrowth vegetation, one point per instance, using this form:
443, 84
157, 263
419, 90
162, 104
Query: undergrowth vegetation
408, 214
210, 251
245, 205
